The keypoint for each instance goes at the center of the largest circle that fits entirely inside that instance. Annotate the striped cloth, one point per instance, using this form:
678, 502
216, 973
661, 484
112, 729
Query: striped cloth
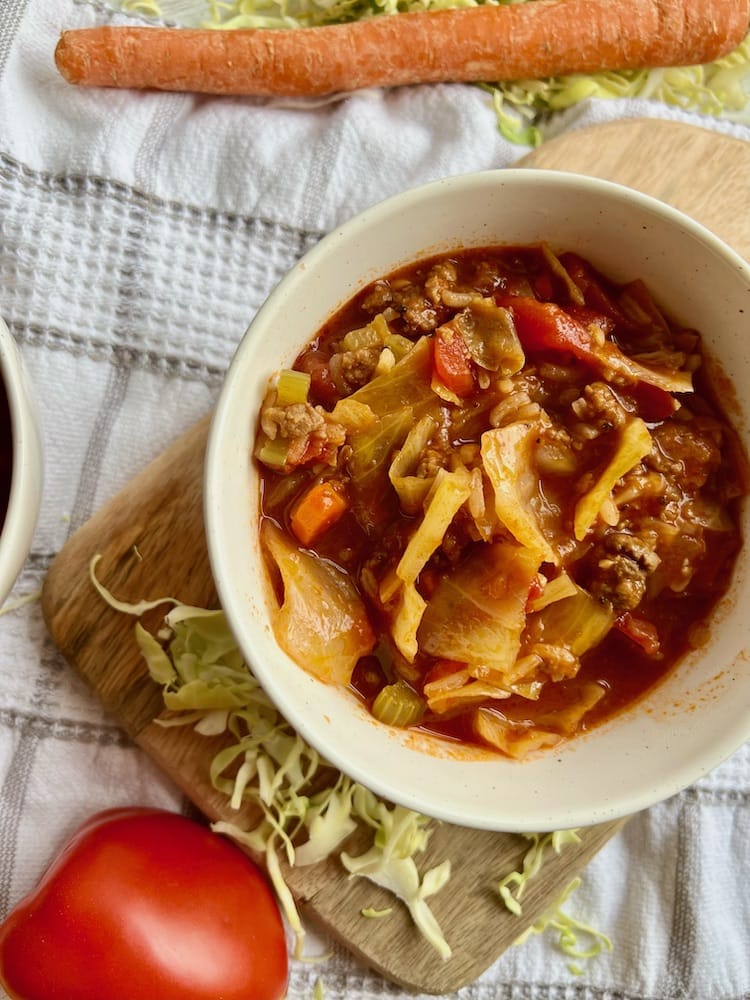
139, 234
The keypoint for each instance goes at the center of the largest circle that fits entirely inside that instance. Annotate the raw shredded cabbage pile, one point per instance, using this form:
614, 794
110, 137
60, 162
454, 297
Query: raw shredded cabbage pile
306, 810
720, 88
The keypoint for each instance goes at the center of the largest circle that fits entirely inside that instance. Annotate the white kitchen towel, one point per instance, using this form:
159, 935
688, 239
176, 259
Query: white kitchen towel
139, 233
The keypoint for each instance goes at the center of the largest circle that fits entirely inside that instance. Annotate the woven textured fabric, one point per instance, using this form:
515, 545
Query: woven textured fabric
139, 234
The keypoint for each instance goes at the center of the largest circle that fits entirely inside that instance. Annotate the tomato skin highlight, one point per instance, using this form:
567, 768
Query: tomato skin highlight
143, 904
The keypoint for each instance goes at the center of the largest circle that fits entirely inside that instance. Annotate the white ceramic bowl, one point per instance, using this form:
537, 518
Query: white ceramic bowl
686, 726
26, 470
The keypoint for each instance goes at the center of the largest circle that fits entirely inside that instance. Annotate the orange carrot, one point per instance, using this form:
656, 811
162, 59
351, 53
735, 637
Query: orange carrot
452, 361
318, 510
520, 41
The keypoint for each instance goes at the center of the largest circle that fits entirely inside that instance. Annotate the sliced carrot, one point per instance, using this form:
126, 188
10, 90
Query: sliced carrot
318, 510
489, 43
453, 365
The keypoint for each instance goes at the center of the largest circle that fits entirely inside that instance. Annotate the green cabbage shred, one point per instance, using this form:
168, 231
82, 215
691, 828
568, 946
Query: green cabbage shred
532, 863
522, 106
267, 765
569, 929
307, 809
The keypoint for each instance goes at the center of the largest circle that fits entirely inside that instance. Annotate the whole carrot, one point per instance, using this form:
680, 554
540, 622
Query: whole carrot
520, 41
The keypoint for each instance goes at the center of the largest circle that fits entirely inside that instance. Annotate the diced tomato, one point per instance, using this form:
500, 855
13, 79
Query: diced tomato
453, 364
654, 404
544, 326
535, 590
640, 631
586, 315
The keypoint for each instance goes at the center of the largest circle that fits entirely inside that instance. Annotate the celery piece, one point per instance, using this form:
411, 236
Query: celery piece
273, 453
292, 387
398, 705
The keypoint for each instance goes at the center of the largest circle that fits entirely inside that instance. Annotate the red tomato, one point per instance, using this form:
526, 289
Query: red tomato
453, 365
654, 404
143, 904
544, 326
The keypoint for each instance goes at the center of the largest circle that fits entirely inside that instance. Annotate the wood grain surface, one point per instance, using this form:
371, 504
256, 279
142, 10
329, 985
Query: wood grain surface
152, 543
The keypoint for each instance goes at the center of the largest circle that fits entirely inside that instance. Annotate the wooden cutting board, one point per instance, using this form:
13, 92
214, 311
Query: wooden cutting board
151, 540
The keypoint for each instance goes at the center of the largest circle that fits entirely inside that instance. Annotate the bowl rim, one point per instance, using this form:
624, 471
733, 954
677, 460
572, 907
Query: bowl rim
24, 499
679, 776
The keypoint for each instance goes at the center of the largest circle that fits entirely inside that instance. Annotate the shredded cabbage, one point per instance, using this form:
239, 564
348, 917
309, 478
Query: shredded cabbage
522, 107
568, 928
532, 864
295, 805
302, 806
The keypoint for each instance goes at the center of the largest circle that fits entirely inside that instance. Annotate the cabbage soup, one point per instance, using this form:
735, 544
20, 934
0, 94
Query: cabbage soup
499, 498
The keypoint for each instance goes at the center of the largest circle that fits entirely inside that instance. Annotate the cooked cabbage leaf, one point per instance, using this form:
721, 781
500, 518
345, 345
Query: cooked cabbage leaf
477, 614
410, 609
512, 738
508, 458
578, 622
490, 336
633, 445
449, 492
412, 489
321, 623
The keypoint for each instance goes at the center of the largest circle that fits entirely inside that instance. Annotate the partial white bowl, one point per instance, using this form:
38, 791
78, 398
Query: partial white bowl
685, 727
25, 496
